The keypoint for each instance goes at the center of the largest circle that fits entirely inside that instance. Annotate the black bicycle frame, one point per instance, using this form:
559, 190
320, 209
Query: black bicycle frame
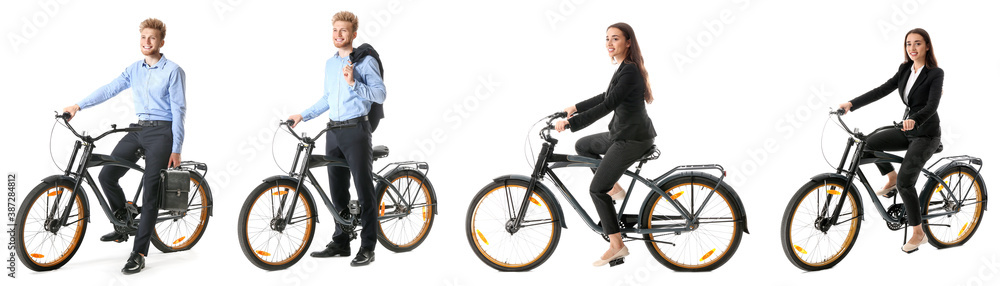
87, 159
547, 157
858, 142
304, 161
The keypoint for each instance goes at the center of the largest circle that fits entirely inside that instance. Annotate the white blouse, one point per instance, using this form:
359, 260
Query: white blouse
910, 81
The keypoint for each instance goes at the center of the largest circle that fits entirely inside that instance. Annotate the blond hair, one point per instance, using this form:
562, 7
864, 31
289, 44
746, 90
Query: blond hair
347, 16
154, 24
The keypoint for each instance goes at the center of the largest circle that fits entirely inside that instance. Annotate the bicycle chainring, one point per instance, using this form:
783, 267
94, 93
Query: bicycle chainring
897, 215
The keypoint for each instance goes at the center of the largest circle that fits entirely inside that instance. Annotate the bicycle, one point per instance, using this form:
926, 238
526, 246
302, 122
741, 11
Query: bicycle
513, 229
53, 218
816, 237
277, 221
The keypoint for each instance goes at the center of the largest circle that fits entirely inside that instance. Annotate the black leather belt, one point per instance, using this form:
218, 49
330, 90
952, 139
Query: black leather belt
152, 123
347, 123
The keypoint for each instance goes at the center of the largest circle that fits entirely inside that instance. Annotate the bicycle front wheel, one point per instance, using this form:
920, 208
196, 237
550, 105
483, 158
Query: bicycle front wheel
715, 236
491, 232
405, 218
43, 243
185, 229
956, 218
807, 238
264, 238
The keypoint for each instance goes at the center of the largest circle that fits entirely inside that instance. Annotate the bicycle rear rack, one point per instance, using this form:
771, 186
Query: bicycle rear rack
421, 167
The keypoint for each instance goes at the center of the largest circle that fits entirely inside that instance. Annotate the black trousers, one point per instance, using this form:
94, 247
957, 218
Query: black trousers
353, 144
618, 156
918, 151
157, 142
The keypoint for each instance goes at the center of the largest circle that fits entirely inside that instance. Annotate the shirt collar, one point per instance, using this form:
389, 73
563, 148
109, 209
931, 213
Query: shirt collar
159, 64
918, 70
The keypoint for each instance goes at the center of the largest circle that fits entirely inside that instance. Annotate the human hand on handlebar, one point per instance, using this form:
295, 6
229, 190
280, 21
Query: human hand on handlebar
846, 106
569, 111
296, 119
561, 125
71, 110
908, 124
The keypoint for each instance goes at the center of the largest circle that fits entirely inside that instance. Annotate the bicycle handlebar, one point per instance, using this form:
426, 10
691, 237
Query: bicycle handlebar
65, 116
288, 124
857, 134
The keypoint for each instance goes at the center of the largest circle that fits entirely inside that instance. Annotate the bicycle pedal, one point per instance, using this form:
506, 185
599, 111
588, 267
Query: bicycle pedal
616, 262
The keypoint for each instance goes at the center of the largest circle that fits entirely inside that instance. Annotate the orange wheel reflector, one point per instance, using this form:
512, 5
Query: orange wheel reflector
703, 257
962, 231
381, 209
424, 211
833, 192
180, 239
278, 193
674, 197
36, 255
54, 193
799, 249
939, 188
262, 253
481, 237
534, 201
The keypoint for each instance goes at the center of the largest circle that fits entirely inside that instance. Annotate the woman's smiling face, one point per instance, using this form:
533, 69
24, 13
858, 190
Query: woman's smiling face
616, 43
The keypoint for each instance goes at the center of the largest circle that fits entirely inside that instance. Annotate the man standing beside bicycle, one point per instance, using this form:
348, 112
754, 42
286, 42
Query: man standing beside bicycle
349, 91
158, 87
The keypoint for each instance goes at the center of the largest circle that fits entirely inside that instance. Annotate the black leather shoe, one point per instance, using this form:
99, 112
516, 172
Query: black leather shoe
115, 236
363, 258
333, 249
135, 263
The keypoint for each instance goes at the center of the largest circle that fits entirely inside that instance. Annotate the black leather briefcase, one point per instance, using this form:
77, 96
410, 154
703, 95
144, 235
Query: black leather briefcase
175, 186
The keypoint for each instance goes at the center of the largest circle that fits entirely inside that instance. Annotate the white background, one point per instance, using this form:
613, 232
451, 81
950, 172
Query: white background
753, 98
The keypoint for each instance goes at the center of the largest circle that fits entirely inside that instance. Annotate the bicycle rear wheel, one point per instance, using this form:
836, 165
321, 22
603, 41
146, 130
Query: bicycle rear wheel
489, 226
716, 235
410, 212
42, 243
805, 243
183, 232
957, 222
264, 241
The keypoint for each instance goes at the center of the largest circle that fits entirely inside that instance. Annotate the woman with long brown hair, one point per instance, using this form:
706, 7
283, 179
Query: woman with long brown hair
630, 131
918, 81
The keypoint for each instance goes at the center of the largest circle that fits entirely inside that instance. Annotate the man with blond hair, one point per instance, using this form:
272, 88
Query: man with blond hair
350, 90
158, 92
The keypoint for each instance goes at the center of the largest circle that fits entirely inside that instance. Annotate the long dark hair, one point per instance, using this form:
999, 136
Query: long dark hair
929, 59
634, 55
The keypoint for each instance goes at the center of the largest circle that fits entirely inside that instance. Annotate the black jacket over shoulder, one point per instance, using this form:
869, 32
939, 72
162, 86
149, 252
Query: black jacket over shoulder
921, 103
626, 97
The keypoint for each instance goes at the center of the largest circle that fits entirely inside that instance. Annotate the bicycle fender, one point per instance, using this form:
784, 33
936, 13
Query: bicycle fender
931, 184
427, 182
207, 192
312, 203
70, 181
541, 188
739, 202
851, 188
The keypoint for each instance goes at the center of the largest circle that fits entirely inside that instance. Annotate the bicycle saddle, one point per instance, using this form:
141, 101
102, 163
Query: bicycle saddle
380, 151
651, 154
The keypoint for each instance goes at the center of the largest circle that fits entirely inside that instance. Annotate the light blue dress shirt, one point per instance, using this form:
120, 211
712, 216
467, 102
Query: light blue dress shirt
345, 101
158, 92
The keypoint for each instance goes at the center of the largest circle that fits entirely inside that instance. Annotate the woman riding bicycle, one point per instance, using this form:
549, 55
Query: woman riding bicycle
631, 131
919, 81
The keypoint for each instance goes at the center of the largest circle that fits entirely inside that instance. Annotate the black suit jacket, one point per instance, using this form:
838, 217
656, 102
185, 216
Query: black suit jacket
921, 103
626, 97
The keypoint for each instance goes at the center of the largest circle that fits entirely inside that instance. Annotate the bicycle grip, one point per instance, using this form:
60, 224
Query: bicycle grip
289, 122
840, 111
561, 114
64, 115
